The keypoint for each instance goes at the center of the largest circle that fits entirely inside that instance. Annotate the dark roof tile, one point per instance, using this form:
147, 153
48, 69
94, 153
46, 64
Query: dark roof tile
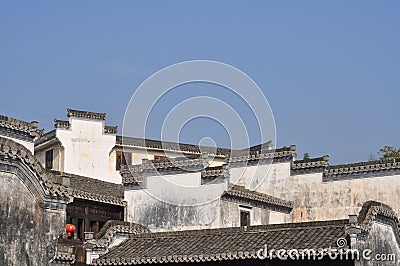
167, 145
29, 128
94, 189
86, 114
362, 168
223, 244
241, 194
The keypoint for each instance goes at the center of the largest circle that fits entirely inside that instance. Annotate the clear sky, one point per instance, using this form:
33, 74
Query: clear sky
330, 70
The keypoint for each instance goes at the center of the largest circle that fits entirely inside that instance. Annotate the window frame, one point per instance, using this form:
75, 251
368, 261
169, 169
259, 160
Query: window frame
248, 211
48, 162
121, 159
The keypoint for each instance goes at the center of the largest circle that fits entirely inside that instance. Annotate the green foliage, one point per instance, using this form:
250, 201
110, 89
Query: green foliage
306, 156
389, 152
372, 157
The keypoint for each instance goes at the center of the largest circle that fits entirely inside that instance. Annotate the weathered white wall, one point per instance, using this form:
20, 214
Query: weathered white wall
175, 202
27, 231
181, 180
145, 206
87, 150
260, 175
316, 200
277, 217
382, 242
158, 215
230, 215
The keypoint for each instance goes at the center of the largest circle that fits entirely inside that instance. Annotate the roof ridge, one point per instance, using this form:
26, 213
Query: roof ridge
248, 229
45, 137
363, 163
85, 114
159, 144
315, 159
235, 192
30, 128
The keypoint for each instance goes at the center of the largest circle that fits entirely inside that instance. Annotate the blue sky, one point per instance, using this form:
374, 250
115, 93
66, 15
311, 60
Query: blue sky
330, 70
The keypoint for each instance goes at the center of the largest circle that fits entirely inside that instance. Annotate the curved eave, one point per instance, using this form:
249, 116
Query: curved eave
47, 144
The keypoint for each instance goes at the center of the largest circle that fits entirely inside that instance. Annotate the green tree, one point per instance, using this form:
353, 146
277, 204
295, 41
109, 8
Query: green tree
389, 152
306, 156
372, 157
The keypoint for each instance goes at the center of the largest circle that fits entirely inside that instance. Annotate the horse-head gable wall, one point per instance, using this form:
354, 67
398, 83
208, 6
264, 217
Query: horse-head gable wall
32, 208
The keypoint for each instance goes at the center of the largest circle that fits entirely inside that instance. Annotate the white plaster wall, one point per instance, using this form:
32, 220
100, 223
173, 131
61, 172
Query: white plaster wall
316, 200
87, 150
183, 189
230, 214
184, 180
277, 217
40, 155
258, 175
175, 202
159, 216
338, 199
260, 216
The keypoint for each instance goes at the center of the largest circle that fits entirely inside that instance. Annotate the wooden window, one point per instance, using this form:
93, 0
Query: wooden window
123, 158
244, 218
90, 216
159, 157
49, 159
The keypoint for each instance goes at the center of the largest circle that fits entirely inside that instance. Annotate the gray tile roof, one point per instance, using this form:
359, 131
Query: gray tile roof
377, 212
310, 165
240, 194
46, 137
134, 174
29, 128
215, 171
345, 171
113, 228
255, 156
183, 164
110, 129
372, 208
158, 144
362, 169
63, 258
166, 166
86, 114
93, 189
223, 244
61, 123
